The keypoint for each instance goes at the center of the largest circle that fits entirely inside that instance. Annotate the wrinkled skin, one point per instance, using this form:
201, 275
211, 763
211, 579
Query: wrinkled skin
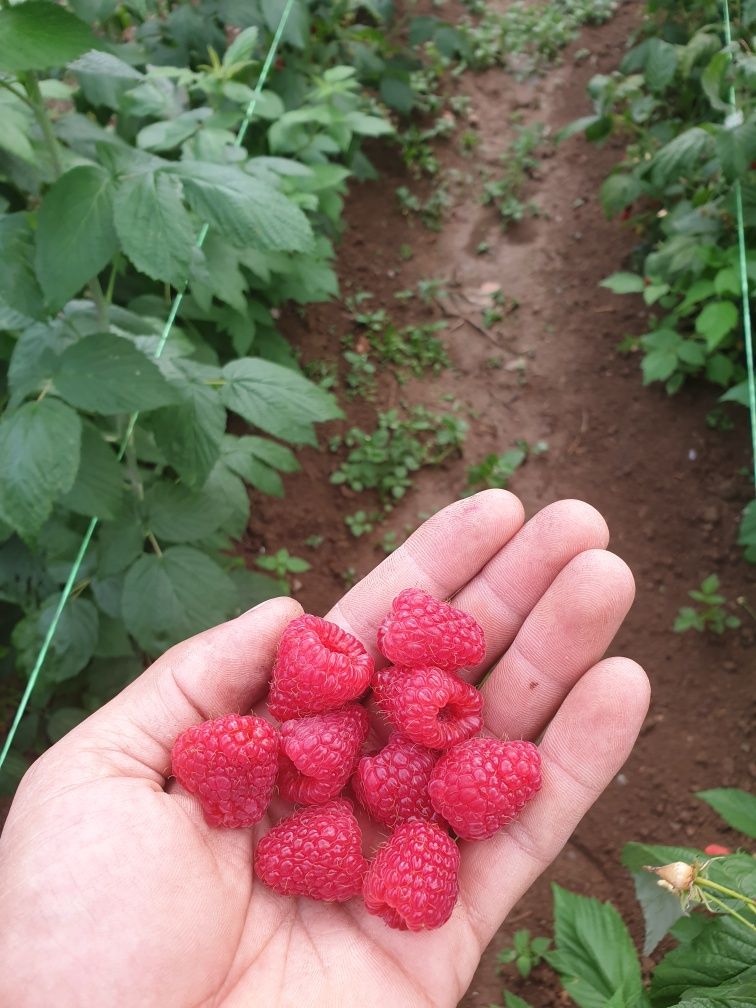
114, 891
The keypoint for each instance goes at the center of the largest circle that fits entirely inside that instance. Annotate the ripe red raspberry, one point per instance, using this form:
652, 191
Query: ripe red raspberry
392, 785
316, 852
230, 764
319, 667
318, 754
412, 882
482, 784
434, 708
420, 630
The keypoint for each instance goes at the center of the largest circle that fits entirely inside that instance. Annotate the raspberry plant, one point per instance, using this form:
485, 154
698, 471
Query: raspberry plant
118, 129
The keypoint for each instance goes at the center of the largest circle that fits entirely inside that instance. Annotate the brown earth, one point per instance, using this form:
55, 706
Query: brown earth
671, 488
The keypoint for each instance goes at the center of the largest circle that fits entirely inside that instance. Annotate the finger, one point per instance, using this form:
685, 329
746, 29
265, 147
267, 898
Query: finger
442, 556
513, 581
221, 671
565, 634
582, 751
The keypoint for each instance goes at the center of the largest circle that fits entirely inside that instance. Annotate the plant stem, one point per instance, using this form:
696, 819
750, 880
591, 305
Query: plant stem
154, 543
729, 910
19, 94
706, 883
40, 113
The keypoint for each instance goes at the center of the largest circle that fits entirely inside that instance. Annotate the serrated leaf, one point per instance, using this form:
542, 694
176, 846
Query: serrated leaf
112, 639
170, 597
75, 233
243, 208
104, 78
681, 155
594, 956
74, 640
242, 48
176, 513
276, 399
39, 459
660, 64
736, 147
189, 433
99, 487
712, 79
736, 807
297, 27
512, 1001
724, 952
256, 460
154, 227
618, 191
107, 374
716, 320
253, 587
19, 288
36, 35
118, 546
623, 283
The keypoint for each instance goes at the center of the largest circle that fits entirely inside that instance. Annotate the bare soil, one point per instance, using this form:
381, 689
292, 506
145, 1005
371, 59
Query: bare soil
671, 488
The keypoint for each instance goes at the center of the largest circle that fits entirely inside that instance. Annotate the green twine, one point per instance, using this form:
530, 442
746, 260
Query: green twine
747, 329
175, 306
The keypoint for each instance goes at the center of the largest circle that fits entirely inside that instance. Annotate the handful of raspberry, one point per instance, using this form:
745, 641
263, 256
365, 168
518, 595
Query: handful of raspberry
434, 772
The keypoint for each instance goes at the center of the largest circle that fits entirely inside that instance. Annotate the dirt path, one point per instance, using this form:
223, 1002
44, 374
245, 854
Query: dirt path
670, 488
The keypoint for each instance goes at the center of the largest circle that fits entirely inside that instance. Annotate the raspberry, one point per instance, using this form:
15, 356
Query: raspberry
420, 630
319, 667
482, 784
412, 882
318, 754
230, 765
434, 708
392, 785
316, 852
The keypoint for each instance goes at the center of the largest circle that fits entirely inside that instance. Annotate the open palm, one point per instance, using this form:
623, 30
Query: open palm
114, 891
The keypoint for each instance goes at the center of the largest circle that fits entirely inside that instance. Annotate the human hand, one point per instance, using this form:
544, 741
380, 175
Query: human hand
114, 891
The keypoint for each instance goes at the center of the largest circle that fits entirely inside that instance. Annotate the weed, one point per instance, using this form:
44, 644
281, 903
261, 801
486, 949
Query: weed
389, 542
430, 289
281, 564
469, 141
482, 248
348, 577
385, 459
414, 349
323, 373
314, 541
711, 613
360, 376
405, 252
505, 193
431, 210
526, 952
361, 522
496, 470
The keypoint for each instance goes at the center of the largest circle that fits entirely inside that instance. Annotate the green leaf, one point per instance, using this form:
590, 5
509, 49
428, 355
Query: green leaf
63, 720
276, 399
256, 459
19, 288
36, 35
153, 226
104, 78
713, 77
736, 147
681, 155
253, 587
747, 531
595, 955
176, 513
189, 434
661, 909
94, 10
623, 283
112, 639
39, 459
512, 1001
107, 374
297, 27
170, 597
716, 320
74, 640
75, 234
660, 64
118, 546
737, 808
245, 210
98, 490
724, 952
619, 191
11, 772
242, 48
